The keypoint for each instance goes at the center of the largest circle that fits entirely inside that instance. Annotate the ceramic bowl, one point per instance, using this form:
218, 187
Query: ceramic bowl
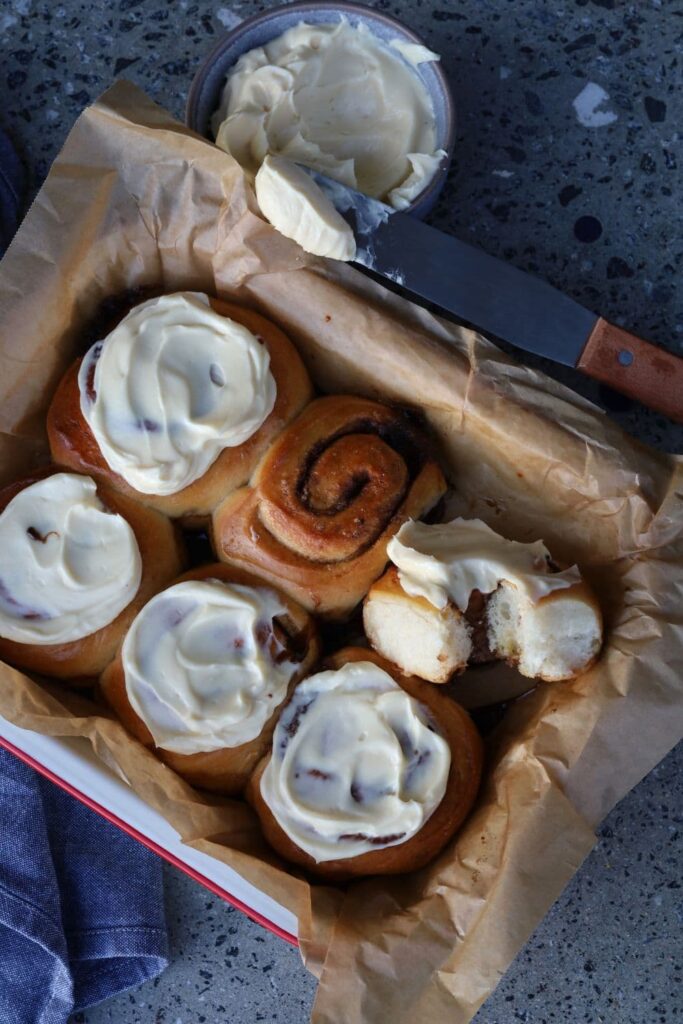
207, 85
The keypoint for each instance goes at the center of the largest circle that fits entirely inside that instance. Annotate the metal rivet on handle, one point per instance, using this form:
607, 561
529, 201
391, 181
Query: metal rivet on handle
625, 357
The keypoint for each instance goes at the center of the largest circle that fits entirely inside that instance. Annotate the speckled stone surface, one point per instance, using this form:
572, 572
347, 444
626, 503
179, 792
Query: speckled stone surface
609, 951
581, 192
530, 181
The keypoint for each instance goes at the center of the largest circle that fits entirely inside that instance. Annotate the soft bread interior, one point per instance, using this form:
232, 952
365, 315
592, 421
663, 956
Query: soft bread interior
421, 639
557, 638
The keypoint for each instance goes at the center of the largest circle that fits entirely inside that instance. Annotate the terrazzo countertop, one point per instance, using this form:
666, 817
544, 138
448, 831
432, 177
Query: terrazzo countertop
567, 164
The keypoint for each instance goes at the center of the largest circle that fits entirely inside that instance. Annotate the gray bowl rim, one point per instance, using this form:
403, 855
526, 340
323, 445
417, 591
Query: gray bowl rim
427, 198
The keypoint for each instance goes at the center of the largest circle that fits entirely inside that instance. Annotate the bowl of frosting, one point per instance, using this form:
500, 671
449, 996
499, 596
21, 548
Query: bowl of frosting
342, 89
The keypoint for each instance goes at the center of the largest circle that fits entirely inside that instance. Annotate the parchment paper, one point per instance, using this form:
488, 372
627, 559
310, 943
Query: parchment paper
136, 199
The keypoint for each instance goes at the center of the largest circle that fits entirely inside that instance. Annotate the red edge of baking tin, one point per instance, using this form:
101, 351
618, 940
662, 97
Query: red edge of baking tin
150, 844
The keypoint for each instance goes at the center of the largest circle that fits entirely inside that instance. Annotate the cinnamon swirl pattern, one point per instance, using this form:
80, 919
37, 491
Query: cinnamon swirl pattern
326, 499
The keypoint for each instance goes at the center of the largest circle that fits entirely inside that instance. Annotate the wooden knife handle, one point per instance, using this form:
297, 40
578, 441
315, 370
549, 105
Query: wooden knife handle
635, 367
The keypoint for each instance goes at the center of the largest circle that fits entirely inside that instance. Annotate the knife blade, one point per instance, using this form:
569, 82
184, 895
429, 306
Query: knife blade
502, 300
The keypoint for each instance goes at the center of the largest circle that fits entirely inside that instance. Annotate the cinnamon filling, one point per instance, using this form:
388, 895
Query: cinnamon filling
397, 436
476, 617
90, 391
283, 640
315, 773
29, 614
290, 726
361, 837
42, 537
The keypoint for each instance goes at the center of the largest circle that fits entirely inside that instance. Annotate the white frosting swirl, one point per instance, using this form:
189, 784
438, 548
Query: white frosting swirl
357, 764
203, 666
68, 566
335, 98
172, 386
447, 561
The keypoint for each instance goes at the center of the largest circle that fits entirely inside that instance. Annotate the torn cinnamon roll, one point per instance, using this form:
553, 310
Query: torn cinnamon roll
460, 593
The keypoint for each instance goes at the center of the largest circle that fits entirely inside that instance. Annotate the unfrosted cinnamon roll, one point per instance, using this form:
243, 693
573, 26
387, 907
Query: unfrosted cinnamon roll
77, 561
371, 772
204, 669
176, 405
327, 496
458, 592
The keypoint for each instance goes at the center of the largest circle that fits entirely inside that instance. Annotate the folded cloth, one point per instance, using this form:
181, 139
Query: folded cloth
81, 903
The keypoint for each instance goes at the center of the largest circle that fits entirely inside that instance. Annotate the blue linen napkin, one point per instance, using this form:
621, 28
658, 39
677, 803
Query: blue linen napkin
81, 903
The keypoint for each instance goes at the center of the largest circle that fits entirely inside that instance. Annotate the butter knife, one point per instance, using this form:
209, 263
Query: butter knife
501, 300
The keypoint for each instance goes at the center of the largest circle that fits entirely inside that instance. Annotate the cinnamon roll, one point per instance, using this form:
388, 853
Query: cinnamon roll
371, 772
176, 405
77, 561
459, 593
326, 498
204, 669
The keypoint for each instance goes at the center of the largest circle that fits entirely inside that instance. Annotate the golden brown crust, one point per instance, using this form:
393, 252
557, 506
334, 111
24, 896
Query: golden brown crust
325, 500
73, 444
163, 557
389, 585
581, 591
461, 790
225, 771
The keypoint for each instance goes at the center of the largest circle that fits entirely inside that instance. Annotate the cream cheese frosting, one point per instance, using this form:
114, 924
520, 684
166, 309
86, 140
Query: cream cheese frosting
335, 98
293, 203
446, 561
204, 667
357, 764
170, 387
414, 53
68, 566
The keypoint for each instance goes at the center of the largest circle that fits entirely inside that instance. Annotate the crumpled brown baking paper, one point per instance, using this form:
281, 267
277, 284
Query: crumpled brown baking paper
135, 198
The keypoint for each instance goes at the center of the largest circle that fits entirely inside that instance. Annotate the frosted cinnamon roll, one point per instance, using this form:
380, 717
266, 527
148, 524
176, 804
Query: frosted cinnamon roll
176, 405
204, 669
325, 500
371, 772
77, 561
458, 592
